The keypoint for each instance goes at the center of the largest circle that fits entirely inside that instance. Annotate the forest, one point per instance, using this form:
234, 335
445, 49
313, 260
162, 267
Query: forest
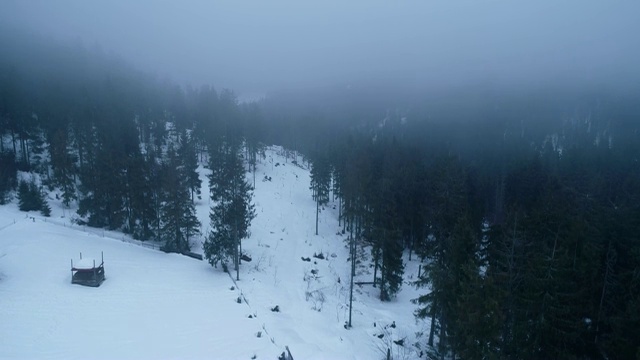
522, 203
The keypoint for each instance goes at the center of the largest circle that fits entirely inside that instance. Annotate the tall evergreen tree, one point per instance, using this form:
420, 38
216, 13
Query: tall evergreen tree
8, 176
447, 202
27, 199
187, 153
320, 183
63, 166
232, 213
388, 241
140, 197
31, 198
177, 215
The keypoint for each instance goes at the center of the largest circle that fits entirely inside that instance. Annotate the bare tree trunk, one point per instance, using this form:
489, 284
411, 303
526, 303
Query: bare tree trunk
353, 270
237, 247
383, 279
13, 140
432, 328
317, 211
611, 258
375, 269
26, 152
442, 340
340, 213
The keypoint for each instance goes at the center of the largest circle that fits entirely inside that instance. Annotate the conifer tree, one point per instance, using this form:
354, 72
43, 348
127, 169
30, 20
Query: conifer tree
447, 201
387, 240
30, 198
45, 209
320, 183
140, 197
232, 213
8, 176
27, 199
187, 153
178, 217
63, 167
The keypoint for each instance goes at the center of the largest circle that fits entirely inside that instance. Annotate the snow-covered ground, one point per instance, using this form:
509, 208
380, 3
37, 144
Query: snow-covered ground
155, 305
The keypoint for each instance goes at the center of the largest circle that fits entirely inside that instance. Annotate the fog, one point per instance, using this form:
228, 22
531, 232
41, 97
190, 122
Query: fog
255, 47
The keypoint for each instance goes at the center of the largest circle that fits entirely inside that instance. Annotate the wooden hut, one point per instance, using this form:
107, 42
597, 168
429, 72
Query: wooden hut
86, 272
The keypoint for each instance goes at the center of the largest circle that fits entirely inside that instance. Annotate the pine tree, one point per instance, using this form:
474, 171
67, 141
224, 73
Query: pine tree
103, 189
253, 131
63, 167
26, 199
232, 214
387, 240
219, 247
30, 198
187, 153
392, 267
45, 209
178, 216
447, 202
8, 175
140, 197
320, 183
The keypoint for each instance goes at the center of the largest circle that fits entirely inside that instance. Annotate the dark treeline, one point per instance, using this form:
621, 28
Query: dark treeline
121, 144
522, 204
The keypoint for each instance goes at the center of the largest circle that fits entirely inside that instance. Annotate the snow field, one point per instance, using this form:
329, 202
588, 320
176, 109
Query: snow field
157, 305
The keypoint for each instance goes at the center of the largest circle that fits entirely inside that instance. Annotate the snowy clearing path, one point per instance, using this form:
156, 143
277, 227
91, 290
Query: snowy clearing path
156, 305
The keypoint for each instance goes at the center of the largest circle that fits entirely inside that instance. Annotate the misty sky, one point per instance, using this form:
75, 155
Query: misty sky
259, 46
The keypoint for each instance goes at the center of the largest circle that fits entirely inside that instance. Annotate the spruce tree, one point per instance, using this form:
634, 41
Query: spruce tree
187, 153
140, 197
30, 198
447, 202
387, 240
63, 166
392, 267
8, 175
177, 215
232, 213
27, 201
320, 183
45, 209
219, 247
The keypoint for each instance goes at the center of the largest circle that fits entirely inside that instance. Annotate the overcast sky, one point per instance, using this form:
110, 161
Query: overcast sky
263, 45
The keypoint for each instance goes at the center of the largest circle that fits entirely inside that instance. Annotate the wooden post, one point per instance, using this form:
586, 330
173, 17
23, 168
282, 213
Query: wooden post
388, 354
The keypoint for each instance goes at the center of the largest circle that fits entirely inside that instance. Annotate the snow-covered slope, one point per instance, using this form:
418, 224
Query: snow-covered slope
157, 305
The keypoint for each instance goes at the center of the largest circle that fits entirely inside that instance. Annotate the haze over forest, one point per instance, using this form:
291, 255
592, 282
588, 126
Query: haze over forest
493, 145
256, 47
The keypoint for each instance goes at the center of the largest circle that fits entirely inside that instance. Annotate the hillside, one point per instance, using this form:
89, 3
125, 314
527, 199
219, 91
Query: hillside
157, 305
